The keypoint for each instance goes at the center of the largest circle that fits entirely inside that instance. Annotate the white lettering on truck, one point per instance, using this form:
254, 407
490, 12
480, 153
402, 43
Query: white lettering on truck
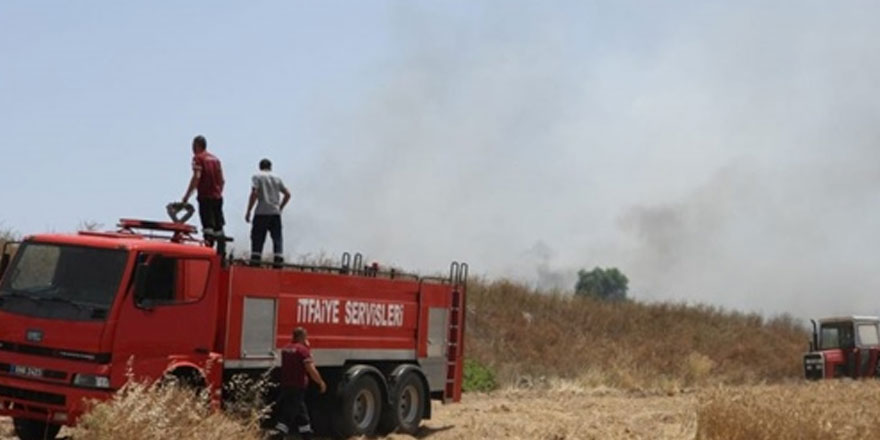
360, 313
317, 311
373, 314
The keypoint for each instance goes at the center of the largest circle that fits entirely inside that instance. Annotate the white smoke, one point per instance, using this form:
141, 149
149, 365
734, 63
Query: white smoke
720, 155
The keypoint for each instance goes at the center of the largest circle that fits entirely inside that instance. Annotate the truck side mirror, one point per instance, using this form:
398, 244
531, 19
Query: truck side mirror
6, 258
141, 298
4, 263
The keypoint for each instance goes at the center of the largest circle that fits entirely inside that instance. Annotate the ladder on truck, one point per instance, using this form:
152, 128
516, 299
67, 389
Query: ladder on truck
455, 340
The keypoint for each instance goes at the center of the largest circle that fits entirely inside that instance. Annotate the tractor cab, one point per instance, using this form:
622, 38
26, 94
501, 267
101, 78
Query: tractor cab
843, 347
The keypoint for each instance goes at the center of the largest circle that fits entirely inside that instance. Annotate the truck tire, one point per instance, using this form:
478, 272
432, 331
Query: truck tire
26, 429
360, 408
407, 409
185, 378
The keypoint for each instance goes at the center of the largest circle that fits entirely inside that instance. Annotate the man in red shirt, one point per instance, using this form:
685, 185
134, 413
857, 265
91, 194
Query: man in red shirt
207, 178
297, 367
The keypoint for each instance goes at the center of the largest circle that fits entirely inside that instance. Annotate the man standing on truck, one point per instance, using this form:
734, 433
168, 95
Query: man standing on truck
297, 367
266, 192
207, 178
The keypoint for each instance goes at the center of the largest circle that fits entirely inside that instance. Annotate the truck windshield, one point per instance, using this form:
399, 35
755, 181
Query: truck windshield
62, 282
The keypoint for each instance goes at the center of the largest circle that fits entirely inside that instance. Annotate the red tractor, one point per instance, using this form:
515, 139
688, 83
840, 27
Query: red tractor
843, 347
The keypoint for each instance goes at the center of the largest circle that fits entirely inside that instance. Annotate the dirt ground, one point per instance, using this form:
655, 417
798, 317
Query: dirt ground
563, 415
552, 415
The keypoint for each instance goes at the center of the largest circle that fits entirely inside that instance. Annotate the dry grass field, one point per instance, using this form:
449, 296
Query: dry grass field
830, 410
798, 411
525, 336
568, 411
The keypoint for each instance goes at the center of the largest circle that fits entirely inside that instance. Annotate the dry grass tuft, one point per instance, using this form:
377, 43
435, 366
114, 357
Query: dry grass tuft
806, 411
140, 411
527, 336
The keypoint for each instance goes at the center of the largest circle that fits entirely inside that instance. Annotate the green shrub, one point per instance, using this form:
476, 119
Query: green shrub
478, 377
606, 284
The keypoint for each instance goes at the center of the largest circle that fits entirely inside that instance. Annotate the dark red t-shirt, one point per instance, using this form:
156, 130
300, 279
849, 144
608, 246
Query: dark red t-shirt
293, 365
211, 181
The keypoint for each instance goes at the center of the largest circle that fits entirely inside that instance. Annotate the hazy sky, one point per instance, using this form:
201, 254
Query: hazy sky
716, 152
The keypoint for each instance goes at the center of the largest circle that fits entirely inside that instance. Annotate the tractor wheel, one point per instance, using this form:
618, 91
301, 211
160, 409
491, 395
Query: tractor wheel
27, 429
360, 408
408, 403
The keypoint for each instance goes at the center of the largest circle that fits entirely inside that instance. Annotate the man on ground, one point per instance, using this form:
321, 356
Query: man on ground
297, 367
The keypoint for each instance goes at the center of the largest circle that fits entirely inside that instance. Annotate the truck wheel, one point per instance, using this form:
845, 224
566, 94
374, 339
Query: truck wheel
27, 429
408, 400
361, 407
186, 378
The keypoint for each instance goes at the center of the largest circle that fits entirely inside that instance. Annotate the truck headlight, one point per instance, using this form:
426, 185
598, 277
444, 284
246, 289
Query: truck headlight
91, 381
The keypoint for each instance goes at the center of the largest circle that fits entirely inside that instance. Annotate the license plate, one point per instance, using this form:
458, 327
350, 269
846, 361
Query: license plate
22, 370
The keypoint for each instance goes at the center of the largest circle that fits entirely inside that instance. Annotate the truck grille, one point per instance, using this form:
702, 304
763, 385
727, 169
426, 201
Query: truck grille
814, 366
98, 358
32, 396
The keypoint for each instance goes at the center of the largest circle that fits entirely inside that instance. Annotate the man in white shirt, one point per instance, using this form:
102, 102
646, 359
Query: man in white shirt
266, 193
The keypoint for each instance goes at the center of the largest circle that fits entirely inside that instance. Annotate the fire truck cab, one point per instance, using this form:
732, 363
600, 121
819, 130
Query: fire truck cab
844, 347
81, 313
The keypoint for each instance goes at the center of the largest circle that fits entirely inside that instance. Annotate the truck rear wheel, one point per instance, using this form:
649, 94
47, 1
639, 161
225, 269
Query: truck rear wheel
361, 407
408, 400
27, 429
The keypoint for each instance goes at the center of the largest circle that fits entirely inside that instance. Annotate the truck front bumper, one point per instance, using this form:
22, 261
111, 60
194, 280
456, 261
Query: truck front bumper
59, 404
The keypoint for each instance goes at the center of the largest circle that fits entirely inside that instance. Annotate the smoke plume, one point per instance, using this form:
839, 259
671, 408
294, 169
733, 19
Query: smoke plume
720, 155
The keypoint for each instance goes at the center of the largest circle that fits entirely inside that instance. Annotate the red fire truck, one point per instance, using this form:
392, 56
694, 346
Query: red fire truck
78, 311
